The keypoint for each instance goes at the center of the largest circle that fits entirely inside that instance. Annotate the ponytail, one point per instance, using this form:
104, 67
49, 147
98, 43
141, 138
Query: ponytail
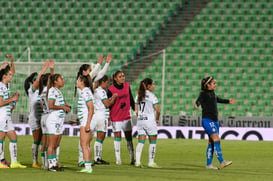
142, 89
82, 68
87, 82
29, 80
43, 82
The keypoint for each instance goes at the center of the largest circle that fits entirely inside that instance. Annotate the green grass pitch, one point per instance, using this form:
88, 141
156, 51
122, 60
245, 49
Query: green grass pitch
180, 160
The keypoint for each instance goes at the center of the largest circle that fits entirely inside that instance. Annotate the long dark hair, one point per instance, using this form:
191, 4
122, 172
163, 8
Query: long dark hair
51, 80
142, 88
82, 68
4, 72
87, 81
205, 82
103, 79
43, 82
29, 80
114, 75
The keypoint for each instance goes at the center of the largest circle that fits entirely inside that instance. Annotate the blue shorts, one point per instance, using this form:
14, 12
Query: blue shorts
210, 126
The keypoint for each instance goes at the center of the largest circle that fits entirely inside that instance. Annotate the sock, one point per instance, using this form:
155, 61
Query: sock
35, 147
152, 150
209, 153
218, 151
51, 160
46, 161
88, 165
117, 148
58, 154
139, 150
97, 149
13, 150
43, 158
80, 156
2, 149
130, 148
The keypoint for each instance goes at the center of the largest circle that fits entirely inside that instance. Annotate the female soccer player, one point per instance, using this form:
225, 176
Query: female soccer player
31, 89
120, 114
6, 126
44, 104
95, 74
100, 118
146, 103
208, 101
55, 120
85, 114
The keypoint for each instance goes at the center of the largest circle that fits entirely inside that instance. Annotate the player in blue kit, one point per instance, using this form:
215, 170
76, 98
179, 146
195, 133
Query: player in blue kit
208, 101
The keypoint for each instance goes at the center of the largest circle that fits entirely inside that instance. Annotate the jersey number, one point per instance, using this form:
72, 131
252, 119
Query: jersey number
141, 106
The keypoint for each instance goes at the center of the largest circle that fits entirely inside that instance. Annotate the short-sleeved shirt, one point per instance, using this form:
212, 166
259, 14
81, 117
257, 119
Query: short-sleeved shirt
84, 97
56, 95
100, 95
5, 111
35, 106
146, 106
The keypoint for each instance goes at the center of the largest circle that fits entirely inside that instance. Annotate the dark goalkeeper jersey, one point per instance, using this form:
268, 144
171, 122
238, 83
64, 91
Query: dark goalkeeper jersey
208, 101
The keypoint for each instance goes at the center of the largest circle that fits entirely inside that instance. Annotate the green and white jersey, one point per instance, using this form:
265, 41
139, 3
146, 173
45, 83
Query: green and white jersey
85, 96
34, 104
56, 95
100, 95
44, 101
5, 113
146, 107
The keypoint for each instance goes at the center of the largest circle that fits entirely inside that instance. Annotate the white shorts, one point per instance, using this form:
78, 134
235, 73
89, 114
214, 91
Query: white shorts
6, 126
43, 123
54, 125
125, 125
146, 127
99, 122
34, 124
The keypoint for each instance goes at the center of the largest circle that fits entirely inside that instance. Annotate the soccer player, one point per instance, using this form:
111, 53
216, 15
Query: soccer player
147, 121
100, 119
208, 101
120, 114
6, 126
31, 89
55, 120
44, 104
95, 74
85, 114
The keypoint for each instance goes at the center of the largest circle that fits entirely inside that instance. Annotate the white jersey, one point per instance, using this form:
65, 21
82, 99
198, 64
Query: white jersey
5, 113
56, 95
100, 95
84, 97
146, 106
35, 106
44, 101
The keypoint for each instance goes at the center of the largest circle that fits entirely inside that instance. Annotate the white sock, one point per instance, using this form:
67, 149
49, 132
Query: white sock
13, 150
97, 150
130, 148
152, 150
52, 161
35, 147
139, 152
46, 161
117, 149
2, 144
80, 156
88, 165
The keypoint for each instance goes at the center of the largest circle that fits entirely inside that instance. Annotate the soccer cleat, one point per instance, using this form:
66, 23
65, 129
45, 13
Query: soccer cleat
101, 162
118, 162
86, 170
211, 167
4, 162
55, 169
36, 165
17, 165
139, 165
81, 164
133, 162
3, 165
153, 165
225, 163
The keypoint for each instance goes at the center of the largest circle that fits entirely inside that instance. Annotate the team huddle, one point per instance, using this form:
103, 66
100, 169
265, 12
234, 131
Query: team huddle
96, 105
